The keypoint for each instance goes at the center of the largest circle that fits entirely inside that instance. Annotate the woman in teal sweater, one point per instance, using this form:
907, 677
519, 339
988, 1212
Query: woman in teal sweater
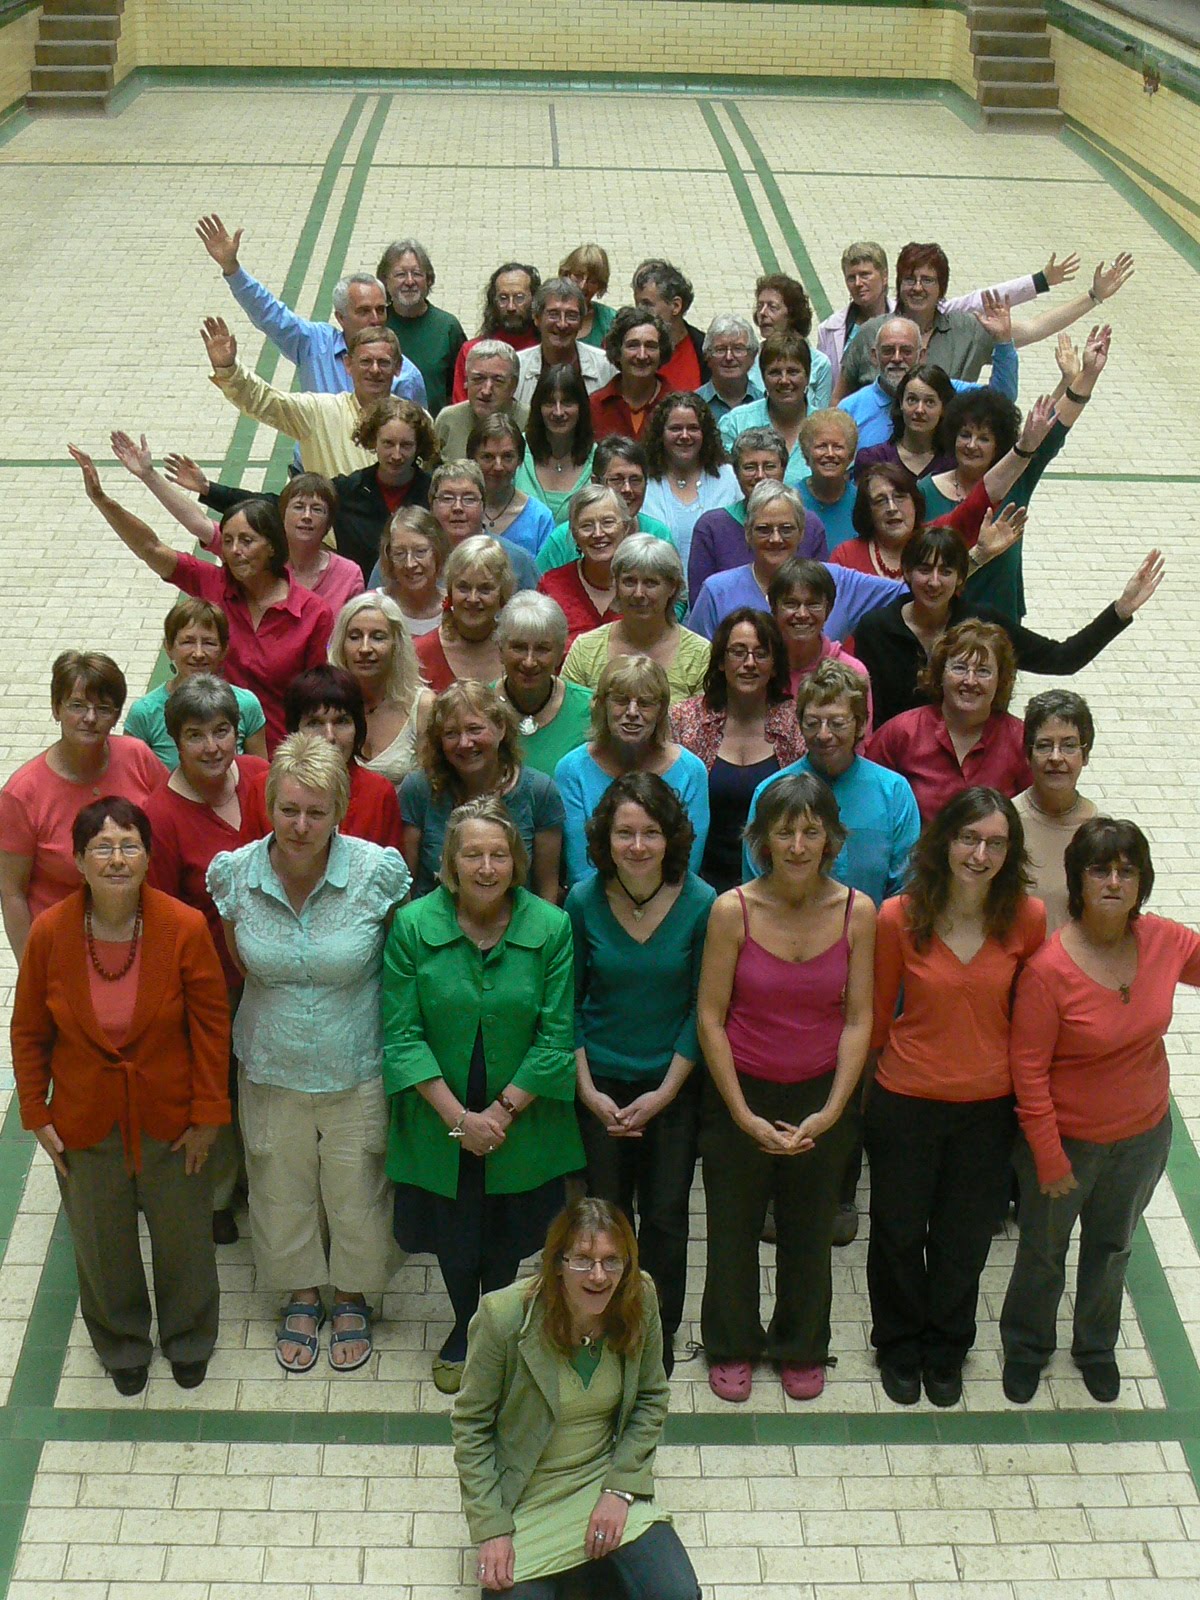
639, 926
476, 1003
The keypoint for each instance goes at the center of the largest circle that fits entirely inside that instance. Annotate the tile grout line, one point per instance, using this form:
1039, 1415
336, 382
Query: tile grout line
741, 189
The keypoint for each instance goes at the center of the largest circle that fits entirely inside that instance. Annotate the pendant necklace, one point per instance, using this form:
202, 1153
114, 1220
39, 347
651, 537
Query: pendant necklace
639, 906
527, 726
490, 522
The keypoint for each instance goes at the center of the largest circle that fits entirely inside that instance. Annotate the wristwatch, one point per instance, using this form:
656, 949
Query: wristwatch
456, 1132
621, 1494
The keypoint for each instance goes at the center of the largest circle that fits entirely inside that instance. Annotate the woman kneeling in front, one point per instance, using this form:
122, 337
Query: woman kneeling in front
558, 1420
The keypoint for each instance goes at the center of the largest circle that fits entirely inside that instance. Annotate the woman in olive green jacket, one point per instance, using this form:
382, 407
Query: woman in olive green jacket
559, 1417
478, 1057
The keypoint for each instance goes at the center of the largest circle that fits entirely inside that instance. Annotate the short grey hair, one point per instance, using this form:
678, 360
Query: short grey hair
591, 495
758, 439
644, 555
456, 472
491, 350
765, 494
203, 698
558, 289
887, 323
341, 289
729, 326
534, 614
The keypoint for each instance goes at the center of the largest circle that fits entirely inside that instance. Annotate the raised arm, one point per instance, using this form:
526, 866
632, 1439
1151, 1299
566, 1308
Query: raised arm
269, 315
218, 497
1078, 392
1105, 283
1003, 474
1019, 290
287, 413
136, 459
135, 534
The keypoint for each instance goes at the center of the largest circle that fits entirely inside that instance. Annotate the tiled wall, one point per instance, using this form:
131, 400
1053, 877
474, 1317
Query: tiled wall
1159, 132
17, 40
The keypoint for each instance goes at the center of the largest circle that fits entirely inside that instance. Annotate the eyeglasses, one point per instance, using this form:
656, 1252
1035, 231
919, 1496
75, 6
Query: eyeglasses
970, 669
1057, 747
622, 702
810, 726
611, 1266
743, 652
997, 848
604, 525
105, 852
885, 502
442, 498
919, 280
1101, 874
729, 352
80, 708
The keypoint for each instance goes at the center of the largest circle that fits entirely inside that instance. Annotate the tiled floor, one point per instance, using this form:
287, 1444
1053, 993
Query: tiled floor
260, 1486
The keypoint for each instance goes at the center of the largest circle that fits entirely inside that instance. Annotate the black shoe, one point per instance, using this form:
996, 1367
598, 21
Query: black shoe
768, 1228
943, 1386
668, 1357
1102, 1380
902, 1385
1021, 1379
845, 1224
189, 1374
224, 1228
129, 1380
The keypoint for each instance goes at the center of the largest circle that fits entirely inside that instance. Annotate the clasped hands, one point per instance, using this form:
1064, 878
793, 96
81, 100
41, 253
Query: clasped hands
781, 1138
484, 1131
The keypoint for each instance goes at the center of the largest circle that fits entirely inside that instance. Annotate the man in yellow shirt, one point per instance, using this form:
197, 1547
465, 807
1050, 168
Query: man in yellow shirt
323, 425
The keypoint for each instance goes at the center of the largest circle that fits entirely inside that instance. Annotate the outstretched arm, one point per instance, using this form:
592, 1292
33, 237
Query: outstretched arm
1000, 478
137, 535
288, 413
1106, 281
270, 316
136, 458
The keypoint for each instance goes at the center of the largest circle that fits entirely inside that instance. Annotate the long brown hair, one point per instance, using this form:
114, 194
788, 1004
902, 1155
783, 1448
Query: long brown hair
625, 1316
928, 883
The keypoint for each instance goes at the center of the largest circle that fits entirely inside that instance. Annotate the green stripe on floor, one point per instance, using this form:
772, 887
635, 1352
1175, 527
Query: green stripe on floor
737, 179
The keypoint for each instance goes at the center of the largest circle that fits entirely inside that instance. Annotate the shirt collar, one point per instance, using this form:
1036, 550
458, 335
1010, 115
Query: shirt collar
527, 927
261, 874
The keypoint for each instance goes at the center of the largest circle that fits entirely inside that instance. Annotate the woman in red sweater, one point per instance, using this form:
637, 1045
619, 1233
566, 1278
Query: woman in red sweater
939, 1121
1092, 1082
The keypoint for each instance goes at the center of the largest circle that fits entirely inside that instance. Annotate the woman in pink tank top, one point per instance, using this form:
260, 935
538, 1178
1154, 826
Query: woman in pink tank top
785, 1019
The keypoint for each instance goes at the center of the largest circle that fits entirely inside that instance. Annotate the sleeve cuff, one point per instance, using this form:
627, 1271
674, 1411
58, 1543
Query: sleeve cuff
1041, 286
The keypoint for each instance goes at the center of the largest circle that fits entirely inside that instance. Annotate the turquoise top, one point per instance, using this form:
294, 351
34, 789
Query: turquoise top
582, 781
309, 1015
146, 720
656, 981
560, 548
531, 527
533, 803
603, 318
557, 499
756, 414
837, 517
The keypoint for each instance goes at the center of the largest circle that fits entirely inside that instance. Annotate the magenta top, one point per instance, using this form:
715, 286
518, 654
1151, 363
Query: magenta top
785, 1017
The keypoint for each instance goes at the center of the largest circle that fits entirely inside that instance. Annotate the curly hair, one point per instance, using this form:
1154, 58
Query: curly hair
928, 882
660, 802
392, 408
626, 320
467, 695
712, 451
795, 300
779, 687
625, 1315
982, 407
972, 639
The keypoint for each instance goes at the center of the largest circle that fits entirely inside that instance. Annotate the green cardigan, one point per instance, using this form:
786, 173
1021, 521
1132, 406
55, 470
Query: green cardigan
507, 1408
436, 994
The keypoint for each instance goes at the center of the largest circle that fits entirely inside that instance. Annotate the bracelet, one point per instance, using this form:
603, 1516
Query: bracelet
973, 560
456, 1132
1076, 399
621, 1494
503, 1100
1095, 298
1025, 455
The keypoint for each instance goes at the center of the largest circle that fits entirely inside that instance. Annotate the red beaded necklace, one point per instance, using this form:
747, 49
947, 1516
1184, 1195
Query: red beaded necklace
93, 954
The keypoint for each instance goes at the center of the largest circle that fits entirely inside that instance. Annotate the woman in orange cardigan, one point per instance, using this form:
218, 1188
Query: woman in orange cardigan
120, 1045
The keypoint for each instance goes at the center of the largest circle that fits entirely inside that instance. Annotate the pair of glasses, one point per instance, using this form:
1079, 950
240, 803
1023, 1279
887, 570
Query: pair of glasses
743, 652
105, 852
611, 1266
997, 848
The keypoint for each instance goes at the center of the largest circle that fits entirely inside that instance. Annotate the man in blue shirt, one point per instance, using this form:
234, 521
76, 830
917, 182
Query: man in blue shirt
896, 351
318, 349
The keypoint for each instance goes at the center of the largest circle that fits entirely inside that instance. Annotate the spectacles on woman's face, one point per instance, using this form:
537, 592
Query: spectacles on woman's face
744, 652
611, 1266
996, 848
1101, 874
962, 670
105, 852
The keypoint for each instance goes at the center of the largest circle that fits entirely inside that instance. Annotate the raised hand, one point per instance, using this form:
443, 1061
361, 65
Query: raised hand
91, 478
1142, 585
1039, 419
214, 236
182, 470
1066, 354
135, 458
1107, 280
998, 532
1056, 271
1095, 351
995, 317
219, 342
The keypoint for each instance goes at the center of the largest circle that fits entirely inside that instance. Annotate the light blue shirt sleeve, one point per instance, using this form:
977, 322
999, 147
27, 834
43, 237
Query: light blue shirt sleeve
291, 333
692, 788
703, 617
728, 429
1006, 368
569, 777
906, 825
858, 593
820, 382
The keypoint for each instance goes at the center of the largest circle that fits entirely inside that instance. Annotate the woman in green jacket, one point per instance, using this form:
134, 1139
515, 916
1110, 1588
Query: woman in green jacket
559, 1417
478, 1022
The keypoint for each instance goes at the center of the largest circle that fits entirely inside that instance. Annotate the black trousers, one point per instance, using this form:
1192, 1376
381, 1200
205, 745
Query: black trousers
650, 1179
739, 1180
939, 1177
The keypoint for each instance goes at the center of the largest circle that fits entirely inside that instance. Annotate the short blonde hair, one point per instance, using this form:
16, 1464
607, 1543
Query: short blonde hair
484, 808
312, 761
646, 555
833, 417
834, 680
595, 494
592, 261
632, 675
483, 554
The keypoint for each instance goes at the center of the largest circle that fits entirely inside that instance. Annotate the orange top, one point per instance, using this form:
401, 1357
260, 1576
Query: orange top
1086, 1062
950, 1041
171, 1071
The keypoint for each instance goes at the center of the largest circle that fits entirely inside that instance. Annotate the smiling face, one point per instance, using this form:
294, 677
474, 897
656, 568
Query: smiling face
483, 865
475, 603
897, 350
560, 414
893, 513
366, 307
458, 507
801, 614
830, 731
921, 408
558, 328
829, 455
369, 645
969, 686
408, 285
756, 466
978, 851
628, 480
682, 437
730, 359
975, 447
84, 721
588, 1293
644, 596
598, 531
748, 663
796, 846
641, 352
785, 381
413, 560
934, 585
245, 553
306, 521
530, 663
637, 841
115, 860
303, 820
396, 449
770, 312
631, 721
1057, 758
498, 460
470, 743
206, 751
196, 648
490, 384
372, 368
920, 291
773, 536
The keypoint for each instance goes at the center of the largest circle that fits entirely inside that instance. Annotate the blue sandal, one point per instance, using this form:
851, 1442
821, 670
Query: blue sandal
286, 1334
350, 1308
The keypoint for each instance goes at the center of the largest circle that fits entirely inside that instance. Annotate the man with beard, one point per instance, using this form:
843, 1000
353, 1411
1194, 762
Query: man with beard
507, 315
430, 336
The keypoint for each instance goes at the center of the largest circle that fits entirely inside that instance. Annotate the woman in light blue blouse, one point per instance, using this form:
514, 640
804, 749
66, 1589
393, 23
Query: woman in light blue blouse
639, 923
306, 911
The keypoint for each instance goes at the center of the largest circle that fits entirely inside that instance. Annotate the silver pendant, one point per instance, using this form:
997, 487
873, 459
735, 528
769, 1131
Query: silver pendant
527, 726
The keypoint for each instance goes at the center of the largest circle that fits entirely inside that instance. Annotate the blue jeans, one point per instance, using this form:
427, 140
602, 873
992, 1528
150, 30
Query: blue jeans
654, 1567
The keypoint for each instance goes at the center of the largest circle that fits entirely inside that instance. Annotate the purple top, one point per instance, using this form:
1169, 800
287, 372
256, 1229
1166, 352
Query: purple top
719, 543
887, 455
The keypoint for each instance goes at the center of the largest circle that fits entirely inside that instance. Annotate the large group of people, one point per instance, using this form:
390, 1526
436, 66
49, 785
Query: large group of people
599, 757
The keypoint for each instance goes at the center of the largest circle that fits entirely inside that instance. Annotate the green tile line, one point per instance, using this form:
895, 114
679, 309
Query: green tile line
1183, 1169
741, 189
1166, 1338
20, 1464
1094, 150
44, 1348
822, 305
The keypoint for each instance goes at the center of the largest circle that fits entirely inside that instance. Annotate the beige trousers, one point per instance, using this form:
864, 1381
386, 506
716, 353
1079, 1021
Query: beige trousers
320, 1200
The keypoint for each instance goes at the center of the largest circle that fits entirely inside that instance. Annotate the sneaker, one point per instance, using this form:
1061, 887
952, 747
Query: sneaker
1021, 1379
943, 1385
902, 1385
1102, 1380
802, 1383
845, 1224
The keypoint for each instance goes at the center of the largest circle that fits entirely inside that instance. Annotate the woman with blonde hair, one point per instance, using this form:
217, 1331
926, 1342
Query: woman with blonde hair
587, 267
631, 732
371, 642
412, 558
469, 748
479, 582
577, 1487
305, 913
